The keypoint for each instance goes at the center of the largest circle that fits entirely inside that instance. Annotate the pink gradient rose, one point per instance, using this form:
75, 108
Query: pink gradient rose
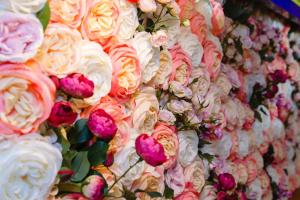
218, 17
212, 55
189, 193
150, 150
102, 125
62, 114
182, 65
69, 12
93, 187
166, 136
199, 26
126, 72
21, 35
77, 85
26, 98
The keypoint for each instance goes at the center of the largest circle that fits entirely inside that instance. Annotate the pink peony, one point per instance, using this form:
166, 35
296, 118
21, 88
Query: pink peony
102, 124
93, 187
226, 181
150, 150
62, 114
77, 85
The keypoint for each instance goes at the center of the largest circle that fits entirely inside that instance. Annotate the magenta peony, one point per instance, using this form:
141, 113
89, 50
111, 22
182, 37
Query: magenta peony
226, 181
150, 150
102, 125
93, 187
62, 114
77, 85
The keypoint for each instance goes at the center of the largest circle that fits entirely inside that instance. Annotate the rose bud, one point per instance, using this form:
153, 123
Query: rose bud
77, 85
109, 160
62, 114
150, 150
93, 187
226, 181
279, 76
102, 125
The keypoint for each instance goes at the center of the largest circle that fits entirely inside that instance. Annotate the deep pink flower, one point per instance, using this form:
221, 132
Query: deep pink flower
224, 196
74, 196
279, 76
77, 85
62, 114
102, 125
109, 160
56, 82
226, 181
271, 91
93, 187
150, 150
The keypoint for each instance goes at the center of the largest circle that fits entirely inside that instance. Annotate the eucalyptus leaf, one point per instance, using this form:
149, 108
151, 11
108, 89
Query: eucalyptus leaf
168, 193
97, 153
80, 132
44, 15
80, 166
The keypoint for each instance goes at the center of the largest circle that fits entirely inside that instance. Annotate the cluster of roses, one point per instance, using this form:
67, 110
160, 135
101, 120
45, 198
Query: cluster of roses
133, 99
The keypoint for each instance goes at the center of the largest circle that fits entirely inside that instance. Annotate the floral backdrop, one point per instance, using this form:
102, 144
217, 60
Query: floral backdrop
147, 99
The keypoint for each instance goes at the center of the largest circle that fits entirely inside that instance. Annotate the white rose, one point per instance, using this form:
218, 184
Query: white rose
179, 107
167, 116
188, 147
29, 165
128, 20
22, 6
180, 90
205, 9
147, 5
190, 44
277, 128
273, 174
172, 25
147, 54
244, 144
254, 190
96, 65
222, 147
175, 179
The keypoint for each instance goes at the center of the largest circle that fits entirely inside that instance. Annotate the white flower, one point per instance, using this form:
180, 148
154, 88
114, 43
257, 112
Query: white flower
147, 54
22, 6
159, 38
96, 65
244, 144
188, 147
277, 128
222, 147
147, 5
179, 107
172, 25
180, 90
167, 116
254, 190
205, 9
190, 44
29, 165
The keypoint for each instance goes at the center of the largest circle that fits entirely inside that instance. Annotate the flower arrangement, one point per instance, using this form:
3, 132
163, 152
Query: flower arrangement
146, 99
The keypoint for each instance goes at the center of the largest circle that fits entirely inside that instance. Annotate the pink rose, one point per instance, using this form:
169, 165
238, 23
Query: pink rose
189, 193
226, 181
187, 8
69, 12
212, 55
159, 38
280, 151
199, 26
182, 65
126, 72
26, 98
166, 136
102, 125
150, 150
21, 35
93, 187
62, 114
208, 193
74, 196
264, 182
218, 18
77, 85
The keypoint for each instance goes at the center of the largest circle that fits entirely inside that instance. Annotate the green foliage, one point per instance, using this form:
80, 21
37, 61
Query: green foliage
97, 153
80, 167
169, 192
44, 15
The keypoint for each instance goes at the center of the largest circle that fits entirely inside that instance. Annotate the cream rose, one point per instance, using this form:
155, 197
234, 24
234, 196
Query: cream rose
194, 173
188, 147
96, 65
21, 35
60, 52
22, 6
145, 111
30, 164
26, 98
147, 54
190, 44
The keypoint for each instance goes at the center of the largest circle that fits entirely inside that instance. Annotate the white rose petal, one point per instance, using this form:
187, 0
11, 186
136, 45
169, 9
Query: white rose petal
22, 6
188, 147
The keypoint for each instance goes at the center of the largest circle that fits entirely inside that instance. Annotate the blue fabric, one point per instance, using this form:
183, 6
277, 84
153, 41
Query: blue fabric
289, 6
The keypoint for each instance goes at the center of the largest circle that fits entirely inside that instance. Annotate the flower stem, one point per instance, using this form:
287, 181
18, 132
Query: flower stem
118, 179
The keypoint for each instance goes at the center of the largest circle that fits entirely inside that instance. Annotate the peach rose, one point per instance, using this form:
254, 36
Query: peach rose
182, 65
212, 55
218, 18
21, 35
189, 193
26, 98
68, 12
59, 54
195, 173
199, 26
187, 8
251, 169
126, 71
145, 110
166, 136
264, 181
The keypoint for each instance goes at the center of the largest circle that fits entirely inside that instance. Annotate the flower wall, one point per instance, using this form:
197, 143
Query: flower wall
147, 99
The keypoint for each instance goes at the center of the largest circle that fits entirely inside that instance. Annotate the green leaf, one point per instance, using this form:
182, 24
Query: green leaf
80, 166
151, 194
97, 153
168, 193
80, 132
44, 15
128, 195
